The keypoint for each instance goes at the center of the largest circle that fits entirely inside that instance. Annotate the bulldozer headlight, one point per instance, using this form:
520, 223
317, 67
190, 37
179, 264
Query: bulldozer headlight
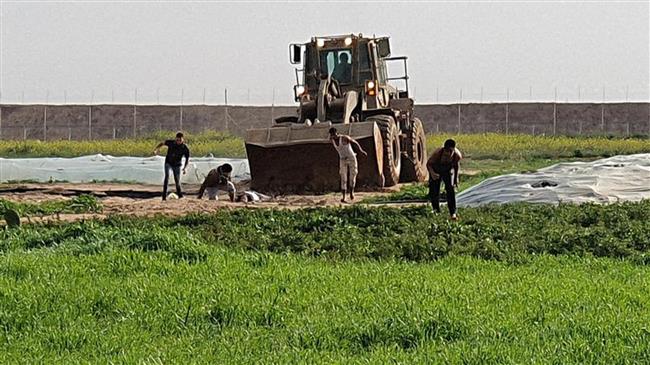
348, 41
299, 90
320, 42
371, 88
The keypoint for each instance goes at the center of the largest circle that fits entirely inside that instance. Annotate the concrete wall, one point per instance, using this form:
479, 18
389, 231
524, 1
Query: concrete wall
76, 122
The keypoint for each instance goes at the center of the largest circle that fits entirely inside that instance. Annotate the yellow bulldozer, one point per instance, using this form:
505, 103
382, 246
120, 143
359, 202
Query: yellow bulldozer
341, 82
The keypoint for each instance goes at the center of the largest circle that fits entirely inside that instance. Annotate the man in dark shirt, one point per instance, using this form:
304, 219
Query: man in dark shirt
176, 150
218, 179
444, 166
343, 70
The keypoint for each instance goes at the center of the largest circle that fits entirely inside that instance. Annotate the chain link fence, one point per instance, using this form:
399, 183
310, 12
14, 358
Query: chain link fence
118, 121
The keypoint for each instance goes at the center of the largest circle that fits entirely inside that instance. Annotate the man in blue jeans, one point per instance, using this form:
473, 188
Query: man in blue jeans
176, 150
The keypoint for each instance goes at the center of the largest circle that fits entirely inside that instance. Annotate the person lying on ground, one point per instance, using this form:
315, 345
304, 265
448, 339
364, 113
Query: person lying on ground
176, 150
442, 165
250, 196
347, 160
216, 180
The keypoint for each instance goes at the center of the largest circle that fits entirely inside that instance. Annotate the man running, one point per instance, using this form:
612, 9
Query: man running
347, 160
176, 150
440, 165
218, 179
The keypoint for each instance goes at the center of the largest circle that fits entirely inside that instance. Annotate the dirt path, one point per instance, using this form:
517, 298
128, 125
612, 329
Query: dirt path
144, 200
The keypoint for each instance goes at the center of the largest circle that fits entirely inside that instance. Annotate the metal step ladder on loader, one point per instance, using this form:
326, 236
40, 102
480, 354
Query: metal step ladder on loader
342, 83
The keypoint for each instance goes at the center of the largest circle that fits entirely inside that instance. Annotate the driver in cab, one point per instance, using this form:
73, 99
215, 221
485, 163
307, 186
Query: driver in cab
343, 70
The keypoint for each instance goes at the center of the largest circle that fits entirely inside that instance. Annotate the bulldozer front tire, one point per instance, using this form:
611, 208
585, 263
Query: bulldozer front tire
414, 156
391, 146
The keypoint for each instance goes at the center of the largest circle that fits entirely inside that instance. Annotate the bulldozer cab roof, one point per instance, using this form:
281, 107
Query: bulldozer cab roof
355, 37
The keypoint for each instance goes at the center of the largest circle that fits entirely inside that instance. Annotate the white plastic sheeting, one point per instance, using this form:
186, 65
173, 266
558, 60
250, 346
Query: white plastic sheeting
143, 170
618, 178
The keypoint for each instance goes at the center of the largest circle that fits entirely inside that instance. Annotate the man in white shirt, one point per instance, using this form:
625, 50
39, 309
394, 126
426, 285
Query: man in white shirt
347, 160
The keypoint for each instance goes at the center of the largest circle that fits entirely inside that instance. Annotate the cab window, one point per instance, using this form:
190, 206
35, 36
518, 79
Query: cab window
337, 63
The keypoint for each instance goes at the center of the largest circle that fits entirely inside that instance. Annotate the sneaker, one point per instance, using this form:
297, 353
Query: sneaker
454, 217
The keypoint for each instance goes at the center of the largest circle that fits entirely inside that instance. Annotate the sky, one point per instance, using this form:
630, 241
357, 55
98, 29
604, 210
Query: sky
190, 51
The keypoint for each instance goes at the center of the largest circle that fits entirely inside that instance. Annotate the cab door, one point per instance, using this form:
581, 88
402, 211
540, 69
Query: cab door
379, 67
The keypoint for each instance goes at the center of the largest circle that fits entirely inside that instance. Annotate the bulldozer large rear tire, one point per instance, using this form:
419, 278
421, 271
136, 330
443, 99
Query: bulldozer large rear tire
391, 145
414, 156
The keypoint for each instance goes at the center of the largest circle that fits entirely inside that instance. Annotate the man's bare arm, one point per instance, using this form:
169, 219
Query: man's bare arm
202, 189
187, 160
155, 150
456, 167
205, 183
352, 140
432, 173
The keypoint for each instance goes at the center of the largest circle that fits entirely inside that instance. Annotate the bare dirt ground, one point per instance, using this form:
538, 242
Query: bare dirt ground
145, 200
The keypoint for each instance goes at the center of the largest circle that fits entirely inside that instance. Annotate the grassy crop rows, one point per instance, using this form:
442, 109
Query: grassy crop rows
476, 146
78, 204
507, 232
218, 144
507, 284
527, 147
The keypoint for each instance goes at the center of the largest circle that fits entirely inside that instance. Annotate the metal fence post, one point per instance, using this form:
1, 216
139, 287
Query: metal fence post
135, 102
507, 112
90, 122
181, 119
459, 109
459, 118
602, 112
554, 113
602, 117
433, 119
45, 123
580, 127
225, 112
507, 106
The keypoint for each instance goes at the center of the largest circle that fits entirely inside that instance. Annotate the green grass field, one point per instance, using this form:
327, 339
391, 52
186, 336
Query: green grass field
78, 204
509, 284
515, 284
489, 146
219, 144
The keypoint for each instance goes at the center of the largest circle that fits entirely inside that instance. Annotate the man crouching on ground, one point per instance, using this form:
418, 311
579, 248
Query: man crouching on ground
218, 179
440, 165
347, 160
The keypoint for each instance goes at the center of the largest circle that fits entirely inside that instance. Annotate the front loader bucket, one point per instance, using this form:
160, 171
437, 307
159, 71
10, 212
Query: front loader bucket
300, 159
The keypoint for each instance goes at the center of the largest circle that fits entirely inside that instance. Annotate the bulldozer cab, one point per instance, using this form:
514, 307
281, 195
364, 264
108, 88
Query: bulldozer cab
352, 63
336, 63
